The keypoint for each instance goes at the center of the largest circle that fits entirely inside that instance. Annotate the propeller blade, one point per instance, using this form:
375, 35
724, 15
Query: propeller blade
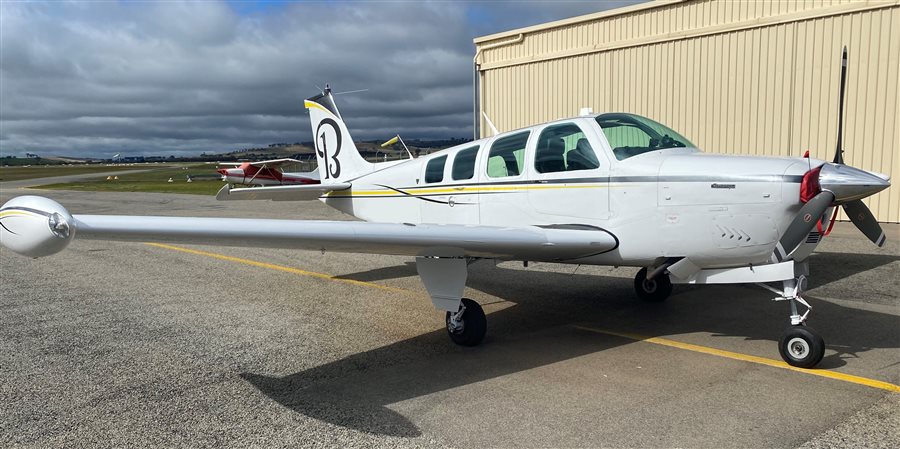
803, 223
862, 217
838, 152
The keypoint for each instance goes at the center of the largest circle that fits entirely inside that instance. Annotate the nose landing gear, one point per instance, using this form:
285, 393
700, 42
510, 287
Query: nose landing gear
800, 345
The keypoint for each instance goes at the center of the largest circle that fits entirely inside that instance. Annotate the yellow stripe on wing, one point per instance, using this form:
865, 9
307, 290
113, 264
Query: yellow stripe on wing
8, 213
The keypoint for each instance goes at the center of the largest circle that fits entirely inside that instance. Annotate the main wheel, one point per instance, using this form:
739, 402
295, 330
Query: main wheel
801, 346
655, 290
470, 329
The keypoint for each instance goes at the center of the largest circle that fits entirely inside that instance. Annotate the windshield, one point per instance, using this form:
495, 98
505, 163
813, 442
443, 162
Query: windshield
630, 135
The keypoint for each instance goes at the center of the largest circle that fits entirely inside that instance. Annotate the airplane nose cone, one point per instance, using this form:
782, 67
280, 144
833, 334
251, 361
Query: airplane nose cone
849, 183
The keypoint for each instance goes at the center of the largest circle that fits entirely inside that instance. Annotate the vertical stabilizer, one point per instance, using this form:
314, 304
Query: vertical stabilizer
339, 160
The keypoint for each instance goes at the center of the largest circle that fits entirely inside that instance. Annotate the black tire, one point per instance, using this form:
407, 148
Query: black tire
656, 290
801, 346
473, 326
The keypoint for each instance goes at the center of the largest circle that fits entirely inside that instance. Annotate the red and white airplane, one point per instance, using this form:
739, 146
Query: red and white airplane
266, 173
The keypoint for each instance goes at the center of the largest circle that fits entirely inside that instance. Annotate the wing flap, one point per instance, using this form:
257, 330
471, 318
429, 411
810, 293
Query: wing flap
521, 243
302, 192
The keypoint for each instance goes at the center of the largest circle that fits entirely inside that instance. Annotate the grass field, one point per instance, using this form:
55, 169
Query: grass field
46, 171
150, 181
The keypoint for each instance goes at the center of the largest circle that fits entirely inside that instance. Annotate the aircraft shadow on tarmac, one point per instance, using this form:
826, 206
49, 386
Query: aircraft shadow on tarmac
354, 392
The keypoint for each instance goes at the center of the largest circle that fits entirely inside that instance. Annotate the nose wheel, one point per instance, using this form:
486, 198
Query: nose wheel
467, 326
801, 346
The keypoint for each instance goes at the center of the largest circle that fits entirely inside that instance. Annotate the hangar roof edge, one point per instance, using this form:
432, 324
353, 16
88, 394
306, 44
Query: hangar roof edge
577, 19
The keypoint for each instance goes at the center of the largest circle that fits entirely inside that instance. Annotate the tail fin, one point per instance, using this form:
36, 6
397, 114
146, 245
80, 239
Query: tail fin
339, 160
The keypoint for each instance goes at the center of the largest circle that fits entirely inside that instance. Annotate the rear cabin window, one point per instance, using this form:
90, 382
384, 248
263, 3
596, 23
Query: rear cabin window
434, 170
464, 164
507, 156
564, 148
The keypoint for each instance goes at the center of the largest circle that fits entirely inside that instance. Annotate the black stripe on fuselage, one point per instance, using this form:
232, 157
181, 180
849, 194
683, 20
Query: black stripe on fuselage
623, 179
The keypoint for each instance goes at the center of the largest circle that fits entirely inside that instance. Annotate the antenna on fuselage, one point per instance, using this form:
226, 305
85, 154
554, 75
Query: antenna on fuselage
394, 140
490, 124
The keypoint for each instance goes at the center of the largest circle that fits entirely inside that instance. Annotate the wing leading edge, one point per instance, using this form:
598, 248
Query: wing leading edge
525, 243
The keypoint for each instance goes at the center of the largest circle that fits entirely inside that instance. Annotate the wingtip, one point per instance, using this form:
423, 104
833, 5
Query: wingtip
222, 194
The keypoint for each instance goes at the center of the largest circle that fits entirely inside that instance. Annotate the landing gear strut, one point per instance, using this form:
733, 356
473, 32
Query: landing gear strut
800, 345
652, 290
467, 326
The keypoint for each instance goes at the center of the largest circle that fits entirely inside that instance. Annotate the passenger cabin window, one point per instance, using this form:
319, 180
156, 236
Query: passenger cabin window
507, 156
434, 170
630, 135
564, 148
464, 164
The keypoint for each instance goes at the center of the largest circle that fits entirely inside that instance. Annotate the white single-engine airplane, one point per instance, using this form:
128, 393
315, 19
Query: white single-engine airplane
607, 189
266, 173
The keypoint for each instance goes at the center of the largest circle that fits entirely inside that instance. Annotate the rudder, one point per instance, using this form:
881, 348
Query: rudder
339, 159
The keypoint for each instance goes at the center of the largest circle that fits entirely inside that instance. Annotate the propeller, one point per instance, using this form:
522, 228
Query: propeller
840, 185
838, 152
802, 225
859, 214
862, 217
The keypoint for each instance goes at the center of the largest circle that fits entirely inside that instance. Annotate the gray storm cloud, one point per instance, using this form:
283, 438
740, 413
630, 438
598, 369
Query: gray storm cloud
98, 78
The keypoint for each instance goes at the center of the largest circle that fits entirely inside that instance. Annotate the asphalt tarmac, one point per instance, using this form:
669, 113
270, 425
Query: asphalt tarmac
135, 345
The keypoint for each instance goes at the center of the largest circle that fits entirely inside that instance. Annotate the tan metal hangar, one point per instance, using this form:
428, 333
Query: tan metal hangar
736, 77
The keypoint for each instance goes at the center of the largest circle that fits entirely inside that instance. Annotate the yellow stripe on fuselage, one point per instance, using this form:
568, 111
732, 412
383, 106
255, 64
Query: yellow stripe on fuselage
415, 191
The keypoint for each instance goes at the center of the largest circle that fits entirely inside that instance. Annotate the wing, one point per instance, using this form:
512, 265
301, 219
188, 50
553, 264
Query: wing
36, 226
530, 243
302, 192
275, 163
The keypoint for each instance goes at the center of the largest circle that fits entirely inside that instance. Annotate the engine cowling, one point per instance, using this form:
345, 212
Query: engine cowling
35, 226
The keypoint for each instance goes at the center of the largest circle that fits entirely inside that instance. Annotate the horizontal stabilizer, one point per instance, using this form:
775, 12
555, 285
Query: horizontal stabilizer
303, 192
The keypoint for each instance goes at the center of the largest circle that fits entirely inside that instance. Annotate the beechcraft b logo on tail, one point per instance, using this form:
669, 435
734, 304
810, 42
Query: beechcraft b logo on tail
328, 146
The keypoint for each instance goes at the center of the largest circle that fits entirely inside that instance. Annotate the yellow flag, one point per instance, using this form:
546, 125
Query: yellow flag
391, 142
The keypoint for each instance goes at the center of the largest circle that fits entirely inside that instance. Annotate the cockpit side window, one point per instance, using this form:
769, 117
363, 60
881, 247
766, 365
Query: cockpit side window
507, 156
630, 135
564, 148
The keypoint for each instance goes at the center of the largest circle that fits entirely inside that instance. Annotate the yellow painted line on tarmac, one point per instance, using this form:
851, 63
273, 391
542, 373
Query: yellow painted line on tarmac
749, 358
283, 268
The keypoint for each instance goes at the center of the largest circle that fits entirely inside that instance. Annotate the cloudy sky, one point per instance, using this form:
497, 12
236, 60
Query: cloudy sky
158, 78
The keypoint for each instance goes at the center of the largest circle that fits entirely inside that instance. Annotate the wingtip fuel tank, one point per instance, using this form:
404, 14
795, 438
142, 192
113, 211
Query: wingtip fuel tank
35, 226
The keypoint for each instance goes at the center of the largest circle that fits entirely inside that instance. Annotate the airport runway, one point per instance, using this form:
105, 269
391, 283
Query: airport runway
136, 345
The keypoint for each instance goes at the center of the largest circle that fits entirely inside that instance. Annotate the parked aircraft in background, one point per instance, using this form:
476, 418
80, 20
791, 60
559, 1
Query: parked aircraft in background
266, 173
608, 189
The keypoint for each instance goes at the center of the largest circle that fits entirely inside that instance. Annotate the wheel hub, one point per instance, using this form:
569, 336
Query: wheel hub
798, 348
649, 285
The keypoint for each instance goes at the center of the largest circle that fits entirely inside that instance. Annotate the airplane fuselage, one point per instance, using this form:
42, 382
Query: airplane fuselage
718, 210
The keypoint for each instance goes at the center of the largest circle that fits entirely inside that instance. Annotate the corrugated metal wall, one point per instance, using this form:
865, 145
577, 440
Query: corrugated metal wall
740, 77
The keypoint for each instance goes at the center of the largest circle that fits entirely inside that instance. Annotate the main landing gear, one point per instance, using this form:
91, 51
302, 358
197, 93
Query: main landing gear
656, 289
445, 280
800, 345
467, 326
